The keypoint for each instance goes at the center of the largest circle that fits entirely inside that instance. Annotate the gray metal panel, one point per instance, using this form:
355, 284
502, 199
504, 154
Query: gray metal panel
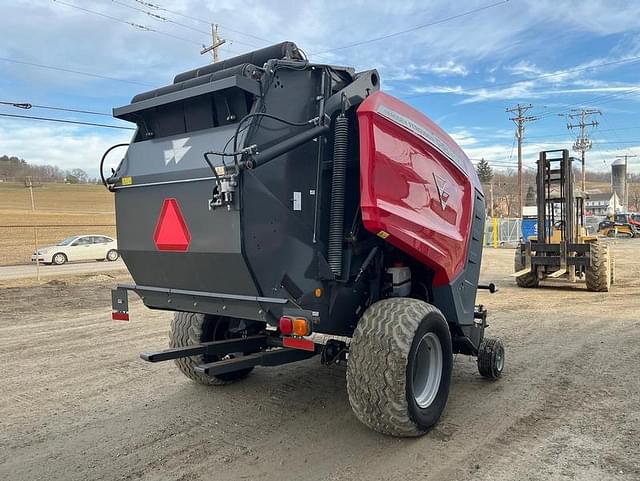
457, 300
278, 238
176, 154
119, 299
213, 261
243, 83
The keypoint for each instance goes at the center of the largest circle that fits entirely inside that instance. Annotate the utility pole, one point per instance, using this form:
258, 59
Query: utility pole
625, 199
582, 143
216, 42
520, 119
29, 185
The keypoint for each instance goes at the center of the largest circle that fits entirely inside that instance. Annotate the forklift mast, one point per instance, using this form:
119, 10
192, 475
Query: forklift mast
559, 208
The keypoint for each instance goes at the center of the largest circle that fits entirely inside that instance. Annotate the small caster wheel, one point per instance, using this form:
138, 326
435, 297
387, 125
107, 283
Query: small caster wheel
491, 357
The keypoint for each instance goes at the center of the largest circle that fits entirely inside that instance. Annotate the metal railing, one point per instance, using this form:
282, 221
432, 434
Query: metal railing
502, 232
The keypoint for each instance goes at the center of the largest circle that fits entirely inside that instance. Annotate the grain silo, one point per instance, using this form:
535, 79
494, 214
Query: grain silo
619, 181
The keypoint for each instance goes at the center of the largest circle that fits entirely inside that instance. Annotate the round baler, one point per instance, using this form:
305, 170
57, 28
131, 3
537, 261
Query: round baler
285, 209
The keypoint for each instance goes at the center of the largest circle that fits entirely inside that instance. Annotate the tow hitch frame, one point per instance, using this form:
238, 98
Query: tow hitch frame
264, 351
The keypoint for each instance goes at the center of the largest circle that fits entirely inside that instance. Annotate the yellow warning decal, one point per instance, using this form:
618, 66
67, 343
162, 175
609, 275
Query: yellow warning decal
383, 234
220, 170
127, 180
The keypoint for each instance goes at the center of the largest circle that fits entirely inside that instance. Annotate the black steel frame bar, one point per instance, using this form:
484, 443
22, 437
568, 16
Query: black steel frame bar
275, 357
213, 348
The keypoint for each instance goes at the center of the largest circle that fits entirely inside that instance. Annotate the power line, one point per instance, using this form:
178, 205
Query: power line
161, 18
126, 22
77, 72
513, 145
48, 119
27, 106
196, 19
412, 29
595, 142
612, 96
599, 130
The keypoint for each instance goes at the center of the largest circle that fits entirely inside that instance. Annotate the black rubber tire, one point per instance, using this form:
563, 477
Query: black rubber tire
188, 328
525, 280
64, 258
598, 274
117, 255
380, 367
491, 358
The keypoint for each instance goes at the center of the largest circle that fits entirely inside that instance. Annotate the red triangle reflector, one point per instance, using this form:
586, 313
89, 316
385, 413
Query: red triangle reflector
171, 232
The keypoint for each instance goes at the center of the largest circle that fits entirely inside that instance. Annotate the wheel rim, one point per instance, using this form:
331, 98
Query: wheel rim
59, 259
499, 360
427, 370
112, 255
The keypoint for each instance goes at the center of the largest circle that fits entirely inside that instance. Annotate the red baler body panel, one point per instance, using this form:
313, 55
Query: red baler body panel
416, 185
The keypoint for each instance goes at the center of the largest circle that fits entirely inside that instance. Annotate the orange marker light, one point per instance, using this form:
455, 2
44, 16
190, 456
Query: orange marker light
301, 327
318, 292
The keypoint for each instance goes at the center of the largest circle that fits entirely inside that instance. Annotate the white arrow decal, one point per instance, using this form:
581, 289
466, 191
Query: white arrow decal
177, 151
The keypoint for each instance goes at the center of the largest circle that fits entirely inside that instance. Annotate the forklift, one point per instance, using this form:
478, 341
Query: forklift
562, 249
619, 225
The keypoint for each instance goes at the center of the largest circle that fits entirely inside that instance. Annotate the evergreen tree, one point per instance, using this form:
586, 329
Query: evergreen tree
485, 172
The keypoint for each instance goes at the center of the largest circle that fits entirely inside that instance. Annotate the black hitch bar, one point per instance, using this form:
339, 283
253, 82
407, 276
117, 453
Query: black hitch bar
274, 357
491, 287
213, 348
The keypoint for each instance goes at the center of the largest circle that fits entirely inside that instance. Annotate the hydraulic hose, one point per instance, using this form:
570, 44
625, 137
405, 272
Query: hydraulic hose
104, 156
336, 216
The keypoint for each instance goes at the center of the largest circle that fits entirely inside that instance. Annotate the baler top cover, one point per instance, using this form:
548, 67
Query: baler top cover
417, 185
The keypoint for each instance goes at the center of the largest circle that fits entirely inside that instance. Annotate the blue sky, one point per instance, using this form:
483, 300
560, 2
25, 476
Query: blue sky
462, 72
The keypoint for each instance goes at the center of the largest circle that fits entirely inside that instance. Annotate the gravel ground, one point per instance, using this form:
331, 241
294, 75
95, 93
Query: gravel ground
77, 403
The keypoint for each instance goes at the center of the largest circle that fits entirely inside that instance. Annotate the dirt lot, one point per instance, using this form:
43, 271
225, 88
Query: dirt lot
77, 403
56, 204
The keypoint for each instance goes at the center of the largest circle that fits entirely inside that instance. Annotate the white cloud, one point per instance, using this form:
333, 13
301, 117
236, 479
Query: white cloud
448, 68
464, 138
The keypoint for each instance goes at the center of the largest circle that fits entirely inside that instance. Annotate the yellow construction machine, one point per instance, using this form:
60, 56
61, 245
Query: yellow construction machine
562, 248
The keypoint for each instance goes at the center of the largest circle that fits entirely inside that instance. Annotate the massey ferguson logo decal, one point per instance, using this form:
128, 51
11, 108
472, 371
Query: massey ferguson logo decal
441, 185
177, 151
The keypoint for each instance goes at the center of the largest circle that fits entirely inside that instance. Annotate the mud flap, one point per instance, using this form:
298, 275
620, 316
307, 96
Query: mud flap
119, 304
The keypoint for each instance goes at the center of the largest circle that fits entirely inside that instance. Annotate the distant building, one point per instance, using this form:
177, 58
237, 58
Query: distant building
602, 203
530, 211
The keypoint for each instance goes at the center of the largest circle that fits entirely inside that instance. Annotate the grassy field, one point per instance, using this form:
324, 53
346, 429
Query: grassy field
56, 205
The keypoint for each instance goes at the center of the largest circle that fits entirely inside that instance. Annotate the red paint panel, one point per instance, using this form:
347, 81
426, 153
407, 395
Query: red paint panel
298, 343
120, 316
416, 185
172, 233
